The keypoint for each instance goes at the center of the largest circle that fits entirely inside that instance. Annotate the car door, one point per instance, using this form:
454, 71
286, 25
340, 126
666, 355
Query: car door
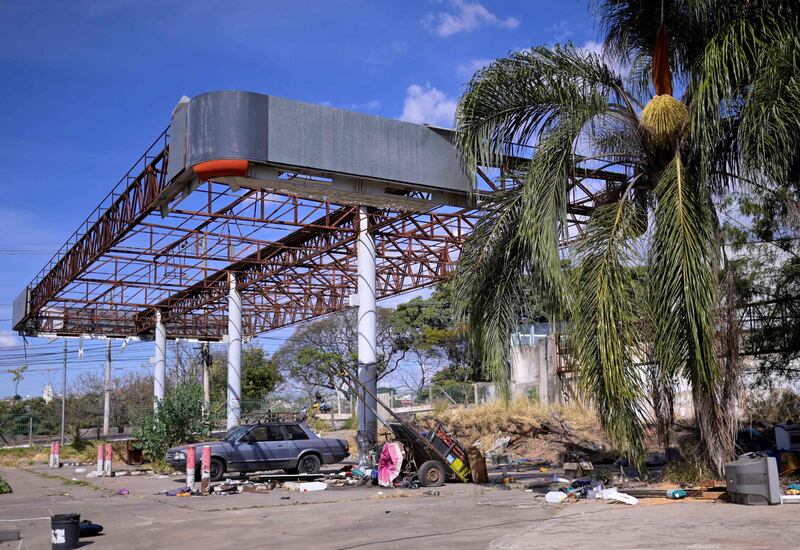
256, 449
298, 440
270, 450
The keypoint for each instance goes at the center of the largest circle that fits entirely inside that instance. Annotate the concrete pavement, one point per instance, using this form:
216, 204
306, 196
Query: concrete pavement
462, 516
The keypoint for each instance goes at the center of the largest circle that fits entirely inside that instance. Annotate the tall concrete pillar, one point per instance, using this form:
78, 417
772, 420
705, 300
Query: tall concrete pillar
107, 392
367, 331
160, 375
234, 353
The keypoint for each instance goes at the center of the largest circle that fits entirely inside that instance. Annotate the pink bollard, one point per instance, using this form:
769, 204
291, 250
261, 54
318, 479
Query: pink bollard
107, 465
190, 459
56, 454
100, 459
205, 475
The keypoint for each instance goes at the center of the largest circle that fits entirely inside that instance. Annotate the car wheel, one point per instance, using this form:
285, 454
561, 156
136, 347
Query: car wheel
309, 464
431, 474
217, 469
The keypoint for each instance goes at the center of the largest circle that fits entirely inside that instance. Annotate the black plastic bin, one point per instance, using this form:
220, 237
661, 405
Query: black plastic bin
65, 531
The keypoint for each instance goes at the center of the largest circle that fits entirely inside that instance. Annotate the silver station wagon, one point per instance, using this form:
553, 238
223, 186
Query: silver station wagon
290, 446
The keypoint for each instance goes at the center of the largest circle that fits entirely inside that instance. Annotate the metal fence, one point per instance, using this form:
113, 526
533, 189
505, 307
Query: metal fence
37, 421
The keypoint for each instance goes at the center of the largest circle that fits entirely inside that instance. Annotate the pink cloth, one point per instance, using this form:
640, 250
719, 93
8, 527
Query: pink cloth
390, 463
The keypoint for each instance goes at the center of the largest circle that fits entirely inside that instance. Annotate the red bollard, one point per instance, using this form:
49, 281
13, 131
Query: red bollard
100, 459
107, 465
190, 459
205, 475
56, 454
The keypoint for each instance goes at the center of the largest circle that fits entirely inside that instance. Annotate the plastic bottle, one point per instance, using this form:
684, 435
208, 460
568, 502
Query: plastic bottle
676, 493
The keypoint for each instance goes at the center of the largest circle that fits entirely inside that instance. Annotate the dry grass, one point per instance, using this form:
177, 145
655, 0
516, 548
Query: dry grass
536, 430
26, 456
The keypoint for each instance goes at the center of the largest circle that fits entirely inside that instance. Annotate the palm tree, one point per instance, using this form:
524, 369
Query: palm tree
643, 283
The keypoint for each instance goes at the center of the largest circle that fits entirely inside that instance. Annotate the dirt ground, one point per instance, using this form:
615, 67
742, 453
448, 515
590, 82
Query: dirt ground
461, 516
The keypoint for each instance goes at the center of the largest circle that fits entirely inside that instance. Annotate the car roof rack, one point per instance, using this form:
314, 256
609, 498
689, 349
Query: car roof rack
274, 417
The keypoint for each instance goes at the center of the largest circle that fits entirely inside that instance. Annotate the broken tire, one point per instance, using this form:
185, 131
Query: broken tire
217, 469
431, 474
309, 464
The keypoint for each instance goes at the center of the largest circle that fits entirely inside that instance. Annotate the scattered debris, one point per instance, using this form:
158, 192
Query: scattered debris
89, 529
123, 491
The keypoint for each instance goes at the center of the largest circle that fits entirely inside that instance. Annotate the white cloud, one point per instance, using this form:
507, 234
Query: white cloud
593, 47
468, 16
428, 105
8, 339
473, 66
561, 31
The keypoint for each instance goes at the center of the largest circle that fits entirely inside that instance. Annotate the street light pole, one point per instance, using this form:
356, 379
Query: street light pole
64, 394
107, 392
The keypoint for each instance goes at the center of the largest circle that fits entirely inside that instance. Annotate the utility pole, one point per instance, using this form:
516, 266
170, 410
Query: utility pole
64, 394
205, 356
107, 392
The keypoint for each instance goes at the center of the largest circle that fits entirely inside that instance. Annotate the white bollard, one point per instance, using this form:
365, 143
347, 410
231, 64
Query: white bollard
56, 454
100, 451
107, 465
52, 453
190, 460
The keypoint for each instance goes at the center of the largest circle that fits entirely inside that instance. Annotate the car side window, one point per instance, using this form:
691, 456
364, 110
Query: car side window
267, 433
295, 432
274, 433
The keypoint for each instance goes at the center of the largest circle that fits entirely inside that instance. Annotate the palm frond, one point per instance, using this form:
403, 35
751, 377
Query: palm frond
684, 265
512, 101
604, 325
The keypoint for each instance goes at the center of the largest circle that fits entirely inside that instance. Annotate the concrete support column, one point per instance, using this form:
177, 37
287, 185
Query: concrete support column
160, 375
367, 331
234, 353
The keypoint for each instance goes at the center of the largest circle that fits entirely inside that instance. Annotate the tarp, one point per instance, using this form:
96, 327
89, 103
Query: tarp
390, 462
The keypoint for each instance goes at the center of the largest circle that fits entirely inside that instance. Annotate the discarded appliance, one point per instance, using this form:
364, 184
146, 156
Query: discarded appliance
753, 480
787, 437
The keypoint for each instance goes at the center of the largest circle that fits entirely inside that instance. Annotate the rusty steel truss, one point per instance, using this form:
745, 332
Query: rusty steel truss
147, 247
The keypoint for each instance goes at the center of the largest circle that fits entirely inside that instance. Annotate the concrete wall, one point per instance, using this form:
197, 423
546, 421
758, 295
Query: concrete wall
534, 363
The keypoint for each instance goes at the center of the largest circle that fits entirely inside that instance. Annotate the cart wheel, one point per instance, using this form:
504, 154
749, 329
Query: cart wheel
431, 474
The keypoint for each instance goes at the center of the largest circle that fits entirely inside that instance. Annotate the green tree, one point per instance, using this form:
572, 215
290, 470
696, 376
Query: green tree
652, 250
17, 376
260, 375
178, 419
317, 351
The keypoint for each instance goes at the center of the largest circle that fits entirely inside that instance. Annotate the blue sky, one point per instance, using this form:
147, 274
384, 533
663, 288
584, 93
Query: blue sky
87, 85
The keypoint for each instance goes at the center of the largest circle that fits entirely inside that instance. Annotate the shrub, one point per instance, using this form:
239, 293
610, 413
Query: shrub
178, 419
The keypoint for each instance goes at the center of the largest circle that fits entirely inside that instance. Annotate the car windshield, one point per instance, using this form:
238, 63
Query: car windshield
236, 433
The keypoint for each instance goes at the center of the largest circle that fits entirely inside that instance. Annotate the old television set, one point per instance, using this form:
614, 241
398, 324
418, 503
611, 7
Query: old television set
753, 480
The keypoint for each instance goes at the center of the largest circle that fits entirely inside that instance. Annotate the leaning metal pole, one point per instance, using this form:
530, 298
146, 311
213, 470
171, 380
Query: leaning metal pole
367, 336
234, 353
160, 376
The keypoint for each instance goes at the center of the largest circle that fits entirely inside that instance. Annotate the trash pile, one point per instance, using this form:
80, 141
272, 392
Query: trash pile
589, 488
